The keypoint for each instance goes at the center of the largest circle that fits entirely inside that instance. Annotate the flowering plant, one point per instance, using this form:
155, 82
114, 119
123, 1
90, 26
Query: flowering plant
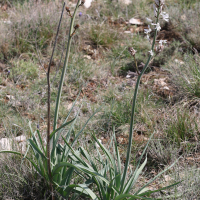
57, 163
113, 183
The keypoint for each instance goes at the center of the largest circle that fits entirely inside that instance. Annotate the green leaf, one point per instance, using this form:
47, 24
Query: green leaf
108, 154
88, 190
62, 126
88, 157
148, 192
79, 188
125, 196
79, 167
20, 154
41, 142
134, 178
33, 136
67, 176
96, 111
35, 147
155, 178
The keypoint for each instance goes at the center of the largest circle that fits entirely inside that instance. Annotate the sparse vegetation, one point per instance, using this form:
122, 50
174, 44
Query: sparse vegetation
101, 66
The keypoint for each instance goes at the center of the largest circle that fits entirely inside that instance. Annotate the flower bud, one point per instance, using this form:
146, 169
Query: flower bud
82, 2
76, 27
132, 51
67, 9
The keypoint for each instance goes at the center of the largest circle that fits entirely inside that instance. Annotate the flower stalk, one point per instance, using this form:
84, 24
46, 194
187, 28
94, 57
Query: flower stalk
48, 108
159, 8
71, 33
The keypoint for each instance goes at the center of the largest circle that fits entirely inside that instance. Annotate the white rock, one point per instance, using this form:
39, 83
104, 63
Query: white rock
20, 138
127, 32
165, 88
160, 82
5, 144
22, 147
183, 17
18, 143
127, 2
7, 22
88, 57
135, 21
167, 178
179, 61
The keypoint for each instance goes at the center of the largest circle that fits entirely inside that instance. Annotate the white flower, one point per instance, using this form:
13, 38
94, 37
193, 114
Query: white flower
155, 10
147, 37
87, 3
146, 31
159, 2
158, 5
149, 20
151, 52
162, 41
165, 16
157, 26
162, 2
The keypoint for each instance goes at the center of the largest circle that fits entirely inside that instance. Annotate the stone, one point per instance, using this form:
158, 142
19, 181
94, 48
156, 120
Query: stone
17, 143
135, 21
126, 2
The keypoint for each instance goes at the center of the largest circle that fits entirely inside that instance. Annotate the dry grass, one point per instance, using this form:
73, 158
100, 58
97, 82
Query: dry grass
98, 64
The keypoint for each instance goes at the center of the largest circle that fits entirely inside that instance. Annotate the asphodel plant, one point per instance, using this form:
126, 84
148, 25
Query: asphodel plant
58, 164
51, 161
119, 183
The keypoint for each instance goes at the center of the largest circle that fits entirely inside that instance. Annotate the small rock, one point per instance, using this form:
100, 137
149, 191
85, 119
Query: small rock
127, 2
179, 61
7, 22
160, 82
135, 21
183, 17
165, 88
9, 143
20, 138
88, 57
127, 32
167, 178
5, 144
131, 74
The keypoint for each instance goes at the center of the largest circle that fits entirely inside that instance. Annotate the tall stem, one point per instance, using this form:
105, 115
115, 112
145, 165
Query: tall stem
65, 67
133, 112
49, 106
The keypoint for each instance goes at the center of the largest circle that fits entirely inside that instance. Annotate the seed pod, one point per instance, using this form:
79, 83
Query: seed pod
76, 27
132, 51
67, 9
82, 2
